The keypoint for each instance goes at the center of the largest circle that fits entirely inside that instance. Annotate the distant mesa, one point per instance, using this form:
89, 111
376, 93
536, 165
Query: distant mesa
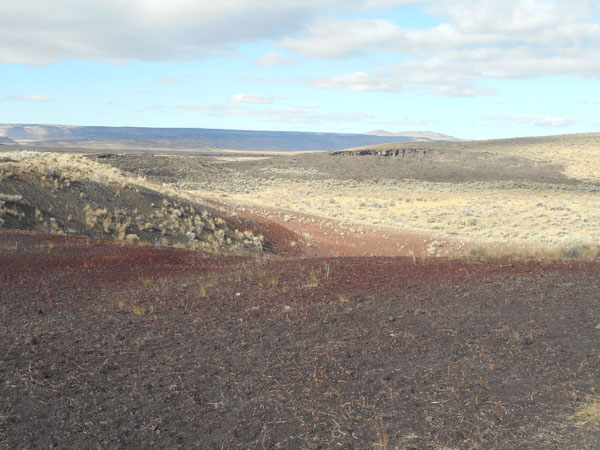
416, 136
200, 138
6, 141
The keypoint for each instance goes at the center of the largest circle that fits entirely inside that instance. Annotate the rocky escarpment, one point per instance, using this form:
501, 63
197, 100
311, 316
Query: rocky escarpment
403, 152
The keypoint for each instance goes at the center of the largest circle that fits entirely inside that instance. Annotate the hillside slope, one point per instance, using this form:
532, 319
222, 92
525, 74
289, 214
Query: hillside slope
67, 194
425, 136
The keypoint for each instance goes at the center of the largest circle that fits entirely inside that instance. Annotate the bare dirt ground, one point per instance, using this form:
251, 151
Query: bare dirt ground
323, 303
106, 345
321, 236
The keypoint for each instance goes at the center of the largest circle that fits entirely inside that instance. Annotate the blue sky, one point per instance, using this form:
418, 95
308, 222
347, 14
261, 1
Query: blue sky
469, 68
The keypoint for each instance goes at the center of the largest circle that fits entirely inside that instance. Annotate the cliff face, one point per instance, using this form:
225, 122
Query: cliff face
391, 152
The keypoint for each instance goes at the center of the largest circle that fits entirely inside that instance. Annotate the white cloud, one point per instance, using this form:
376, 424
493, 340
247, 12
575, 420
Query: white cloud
463, 91
298, 114
533, 120
261, 80
251, 98
356, 82
342, 38
475, 40
214, 109
438, 78
478, 40
37, 98
587, 101
270, 59
29, 98
38, 32
170, 80
156, 107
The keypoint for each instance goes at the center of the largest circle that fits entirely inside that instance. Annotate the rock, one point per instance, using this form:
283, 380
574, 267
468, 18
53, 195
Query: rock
526, 340
598, 327
31, 340
391, 319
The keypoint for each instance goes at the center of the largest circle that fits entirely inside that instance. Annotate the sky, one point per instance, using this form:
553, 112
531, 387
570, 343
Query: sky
473, 69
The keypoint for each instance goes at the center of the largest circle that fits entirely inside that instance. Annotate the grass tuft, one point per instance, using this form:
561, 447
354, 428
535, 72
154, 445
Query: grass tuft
588, 415
382, 438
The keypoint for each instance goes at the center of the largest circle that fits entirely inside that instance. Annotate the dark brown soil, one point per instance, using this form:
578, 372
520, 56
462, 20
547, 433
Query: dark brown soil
112, 346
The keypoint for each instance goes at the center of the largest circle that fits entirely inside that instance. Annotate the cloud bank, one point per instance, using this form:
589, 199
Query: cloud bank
39, 32
473, 40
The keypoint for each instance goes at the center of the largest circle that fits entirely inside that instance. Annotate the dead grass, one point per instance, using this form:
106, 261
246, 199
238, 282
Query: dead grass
588, 415
382, 437
568, 252
492, 213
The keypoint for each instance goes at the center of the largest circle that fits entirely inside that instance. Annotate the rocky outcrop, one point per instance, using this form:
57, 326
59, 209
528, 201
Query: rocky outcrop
388, 152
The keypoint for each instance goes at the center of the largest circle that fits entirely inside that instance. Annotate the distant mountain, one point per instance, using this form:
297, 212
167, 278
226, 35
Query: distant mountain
419, 136
6, 141
192, 138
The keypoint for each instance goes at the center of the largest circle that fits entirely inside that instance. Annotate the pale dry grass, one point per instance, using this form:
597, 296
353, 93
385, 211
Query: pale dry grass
588, 415
579, 154
71, 166
382, 438
503, 213
576, 431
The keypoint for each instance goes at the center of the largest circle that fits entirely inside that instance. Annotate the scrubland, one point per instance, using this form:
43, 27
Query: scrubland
490, 213
533, 194
250, 337
70, 194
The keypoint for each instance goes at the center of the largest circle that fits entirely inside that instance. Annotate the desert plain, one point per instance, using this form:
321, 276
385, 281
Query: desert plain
400, 296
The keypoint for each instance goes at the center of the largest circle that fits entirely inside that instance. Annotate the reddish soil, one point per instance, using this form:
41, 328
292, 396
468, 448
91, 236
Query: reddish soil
111, 346
328, 237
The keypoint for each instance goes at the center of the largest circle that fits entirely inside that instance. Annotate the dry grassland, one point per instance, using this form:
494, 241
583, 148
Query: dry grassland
505, 213
578, 153
523, 214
